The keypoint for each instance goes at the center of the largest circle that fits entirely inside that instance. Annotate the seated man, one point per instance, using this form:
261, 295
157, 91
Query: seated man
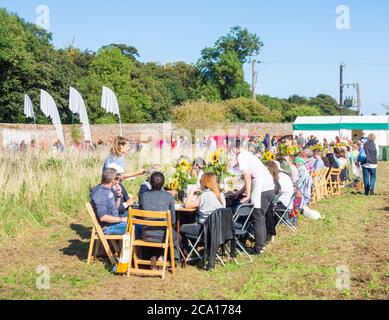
119, 189
105, 203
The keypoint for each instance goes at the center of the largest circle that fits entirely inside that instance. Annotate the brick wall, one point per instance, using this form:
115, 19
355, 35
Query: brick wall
46, 134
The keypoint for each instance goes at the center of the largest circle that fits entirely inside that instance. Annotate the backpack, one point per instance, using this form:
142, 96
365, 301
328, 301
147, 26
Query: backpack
362, 157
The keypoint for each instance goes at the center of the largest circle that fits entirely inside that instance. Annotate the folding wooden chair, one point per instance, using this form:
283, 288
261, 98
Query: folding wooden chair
323, 183
316, 192
99, 236
334, 184
151, 219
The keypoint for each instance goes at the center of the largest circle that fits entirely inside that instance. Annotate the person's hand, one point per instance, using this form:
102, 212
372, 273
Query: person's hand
130, 201
245, 200
118, 190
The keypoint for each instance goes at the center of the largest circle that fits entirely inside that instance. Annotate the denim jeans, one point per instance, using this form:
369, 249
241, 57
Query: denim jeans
369, 178
116, 229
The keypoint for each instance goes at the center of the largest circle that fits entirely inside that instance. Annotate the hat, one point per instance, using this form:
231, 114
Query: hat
299, 161
116, 167
200, 162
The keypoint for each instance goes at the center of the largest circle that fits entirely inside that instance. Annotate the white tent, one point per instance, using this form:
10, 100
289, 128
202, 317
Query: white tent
351, 127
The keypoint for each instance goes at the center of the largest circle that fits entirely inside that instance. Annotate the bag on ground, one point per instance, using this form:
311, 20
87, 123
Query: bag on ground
311, 214
124, 260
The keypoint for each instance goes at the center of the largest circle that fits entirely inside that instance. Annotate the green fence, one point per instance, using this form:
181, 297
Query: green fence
383, 154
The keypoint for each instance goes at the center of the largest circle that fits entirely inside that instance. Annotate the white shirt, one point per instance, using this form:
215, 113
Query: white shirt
287, 189
262, 177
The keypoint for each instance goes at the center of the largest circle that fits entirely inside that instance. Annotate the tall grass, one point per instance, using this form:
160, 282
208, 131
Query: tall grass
39, 190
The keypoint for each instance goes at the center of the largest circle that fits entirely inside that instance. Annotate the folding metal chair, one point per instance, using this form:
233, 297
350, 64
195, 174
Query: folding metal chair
282, 214
194, 242
241, 219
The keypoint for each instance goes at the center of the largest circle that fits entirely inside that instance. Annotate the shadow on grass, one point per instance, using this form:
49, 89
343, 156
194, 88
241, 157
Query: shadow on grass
78, 247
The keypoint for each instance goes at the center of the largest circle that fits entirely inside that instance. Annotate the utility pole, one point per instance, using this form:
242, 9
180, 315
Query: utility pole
254, 80
359, 99
341, 88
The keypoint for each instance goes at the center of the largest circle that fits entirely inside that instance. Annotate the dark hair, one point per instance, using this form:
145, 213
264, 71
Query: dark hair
235, 143
326, 162
157, 181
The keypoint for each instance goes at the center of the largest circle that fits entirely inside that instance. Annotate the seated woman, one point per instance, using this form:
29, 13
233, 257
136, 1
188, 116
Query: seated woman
332, 164
210, 200
304, 184
284, 189
343, 165
158, 200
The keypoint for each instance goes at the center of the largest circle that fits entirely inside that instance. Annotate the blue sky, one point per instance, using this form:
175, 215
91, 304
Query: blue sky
302, 46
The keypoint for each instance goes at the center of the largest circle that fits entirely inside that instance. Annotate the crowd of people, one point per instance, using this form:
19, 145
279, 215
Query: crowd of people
287, 178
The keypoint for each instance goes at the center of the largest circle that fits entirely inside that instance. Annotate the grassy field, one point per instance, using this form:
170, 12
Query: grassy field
43, 223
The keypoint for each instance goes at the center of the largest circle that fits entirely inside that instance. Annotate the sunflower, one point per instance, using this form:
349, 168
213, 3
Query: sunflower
289, 152
173, 185
185, 165
272, 157
215, 157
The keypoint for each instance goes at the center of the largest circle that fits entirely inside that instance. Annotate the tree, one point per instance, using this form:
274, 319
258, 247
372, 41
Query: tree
29, 62
128, 51
200, 115
222, 65
302, 111
247, 110
113, 69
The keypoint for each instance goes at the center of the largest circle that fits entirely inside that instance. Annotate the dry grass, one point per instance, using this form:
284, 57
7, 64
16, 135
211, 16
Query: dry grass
301, 266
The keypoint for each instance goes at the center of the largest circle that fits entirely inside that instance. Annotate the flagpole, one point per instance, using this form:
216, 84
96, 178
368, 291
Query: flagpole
120, 123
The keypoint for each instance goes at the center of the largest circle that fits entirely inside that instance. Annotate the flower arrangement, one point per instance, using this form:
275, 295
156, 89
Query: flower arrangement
317, 147
286, 150
218, 165
180, 179
268, 156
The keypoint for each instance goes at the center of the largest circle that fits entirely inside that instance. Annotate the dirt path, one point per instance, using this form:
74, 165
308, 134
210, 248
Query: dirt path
303, 266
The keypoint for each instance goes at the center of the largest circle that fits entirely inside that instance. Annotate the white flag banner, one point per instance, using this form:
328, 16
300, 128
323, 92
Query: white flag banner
28, 107
49, 108
77, 105
110, 103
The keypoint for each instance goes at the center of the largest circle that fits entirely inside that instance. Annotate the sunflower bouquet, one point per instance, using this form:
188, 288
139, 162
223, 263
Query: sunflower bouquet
286, 150
218, 165
180, 179
317, 147
268, 156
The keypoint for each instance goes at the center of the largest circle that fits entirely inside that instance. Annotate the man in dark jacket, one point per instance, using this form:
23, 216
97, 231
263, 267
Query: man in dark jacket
370, 165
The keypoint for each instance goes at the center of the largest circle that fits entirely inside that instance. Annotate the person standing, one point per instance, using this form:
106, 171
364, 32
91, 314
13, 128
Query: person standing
120, 147
259, 187
301, 141
369, 167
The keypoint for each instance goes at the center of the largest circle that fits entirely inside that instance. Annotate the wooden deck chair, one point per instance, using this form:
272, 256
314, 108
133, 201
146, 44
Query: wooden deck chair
99, 236
323, 183
316, 192
334, 186
151, 219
